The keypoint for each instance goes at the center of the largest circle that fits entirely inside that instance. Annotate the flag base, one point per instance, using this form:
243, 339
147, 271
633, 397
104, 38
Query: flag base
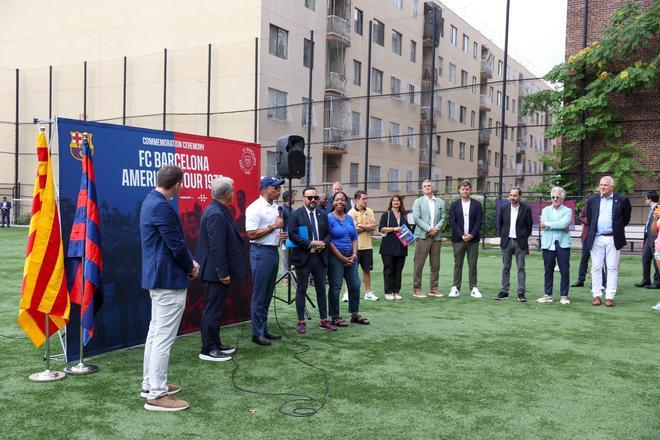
47, 376
80, 369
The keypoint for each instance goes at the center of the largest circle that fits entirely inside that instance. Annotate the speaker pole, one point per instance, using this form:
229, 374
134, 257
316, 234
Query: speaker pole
309, 112
366, 131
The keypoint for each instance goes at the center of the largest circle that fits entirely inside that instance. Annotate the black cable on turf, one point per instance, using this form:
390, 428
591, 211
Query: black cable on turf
299, 411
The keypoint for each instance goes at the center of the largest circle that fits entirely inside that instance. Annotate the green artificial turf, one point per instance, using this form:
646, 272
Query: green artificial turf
433, 368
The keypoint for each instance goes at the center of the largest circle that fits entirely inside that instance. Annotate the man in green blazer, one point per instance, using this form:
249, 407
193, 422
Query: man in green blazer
429, 215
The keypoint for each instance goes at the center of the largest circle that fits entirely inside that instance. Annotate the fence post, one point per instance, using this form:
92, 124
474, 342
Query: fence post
483, 236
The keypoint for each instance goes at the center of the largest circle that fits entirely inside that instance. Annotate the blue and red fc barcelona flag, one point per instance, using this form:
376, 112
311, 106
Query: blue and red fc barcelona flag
85, 264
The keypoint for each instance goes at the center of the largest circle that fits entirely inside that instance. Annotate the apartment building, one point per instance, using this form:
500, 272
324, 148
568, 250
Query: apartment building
422, 110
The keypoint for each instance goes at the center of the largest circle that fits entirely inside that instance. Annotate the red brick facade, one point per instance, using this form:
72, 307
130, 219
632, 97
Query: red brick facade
642, 106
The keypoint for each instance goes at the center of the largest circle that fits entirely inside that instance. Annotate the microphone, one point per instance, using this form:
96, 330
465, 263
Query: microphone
280, 213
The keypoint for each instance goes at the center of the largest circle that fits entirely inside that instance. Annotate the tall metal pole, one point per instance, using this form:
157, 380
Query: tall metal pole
309, 111
366, 131
256, 86
208, 95
123, 102
50, 101
503, 127
164, 88
585, 28
432, 116
16, 188
85, 91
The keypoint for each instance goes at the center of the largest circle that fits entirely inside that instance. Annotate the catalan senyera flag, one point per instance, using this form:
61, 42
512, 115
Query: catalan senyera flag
44, 291
84, 253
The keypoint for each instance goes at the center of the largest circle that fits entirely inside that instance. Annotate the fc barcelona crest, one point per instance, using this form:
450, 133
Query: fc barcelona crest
75, 146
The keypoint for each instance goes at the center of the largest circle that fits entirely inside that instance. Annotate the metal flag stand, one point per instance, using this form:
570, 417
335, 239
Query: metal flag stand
81, 368
47, 375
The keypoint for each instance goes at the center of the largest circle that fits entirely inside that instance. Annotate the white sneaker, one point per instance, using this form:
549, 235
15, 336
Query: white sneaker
369, 296
656, 307
545, 299
564, 300
389, 296
345, 297
453, 293
475, 293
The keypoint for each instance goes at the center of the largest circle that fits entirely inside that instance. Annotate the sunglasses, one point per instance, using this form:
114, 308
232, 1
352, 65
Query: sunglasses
555, 197
310, 198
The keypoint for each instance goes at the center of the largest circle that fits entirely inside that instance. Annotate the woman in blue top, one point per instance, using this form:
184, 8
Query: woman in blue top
342, 262
556, 244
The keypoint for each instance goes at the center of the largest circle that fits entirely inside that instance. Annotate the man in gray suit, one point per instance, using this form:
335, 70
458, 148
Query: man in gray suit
429, 215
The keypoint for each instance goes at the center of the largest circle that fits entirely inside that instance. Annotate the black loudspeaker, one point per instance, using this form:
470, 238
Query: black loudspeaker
290, 157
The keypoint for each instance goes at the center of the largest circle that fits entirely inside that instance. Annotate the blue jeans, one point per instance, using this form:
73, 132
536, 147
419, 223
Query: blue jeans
264, 261
336, 273
562, 256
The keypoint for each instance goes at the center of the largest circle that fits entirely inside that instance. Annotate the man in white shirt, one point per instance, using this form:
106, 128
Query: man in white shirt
263, 226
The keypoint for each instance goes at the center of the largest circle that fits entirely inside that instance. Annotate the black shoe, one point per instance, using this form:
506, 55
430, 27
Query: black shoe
643, 284
261, 340
578, 284
502, 296
270, 335
653, 286
215, 356
521, 297
227, 349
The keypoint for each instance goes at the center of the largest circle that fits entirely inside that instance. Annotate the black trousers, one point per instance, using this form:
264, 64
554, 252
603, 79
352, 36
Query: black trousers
215, 295
5, 218
316, 267
392, 268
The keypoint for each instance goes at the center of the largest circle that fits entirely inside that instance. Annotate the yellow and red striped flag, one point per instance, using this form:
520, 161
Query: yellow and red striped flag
44, 288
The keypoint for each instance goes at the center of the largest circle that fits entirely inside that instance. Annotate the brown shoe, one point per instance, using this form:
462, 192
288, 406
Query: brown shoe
418, 293
596, 301
609, 303
436, 293
166, 403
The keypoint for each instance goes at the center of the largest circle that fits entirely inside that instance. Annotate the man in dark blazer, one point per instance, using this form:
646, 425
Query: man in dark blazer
221, 255
513, 240
465, 217
649, 248
166, 268
608, 213
310, 232
5, 208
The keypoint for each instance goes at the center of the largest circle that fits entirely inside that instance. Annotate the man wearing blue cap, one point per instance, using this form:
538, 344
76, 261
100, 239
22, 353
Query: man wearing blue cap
263, 226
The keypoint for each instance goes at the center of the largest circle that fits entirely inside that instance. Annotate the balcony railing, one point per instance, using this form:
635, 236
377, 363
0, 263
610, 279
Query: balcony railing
336, 138
520, 170
482, 168
524, 119
521, 145
430, 74
487, 68
336, 82
339, 27
485, 102
484, 135
425, 113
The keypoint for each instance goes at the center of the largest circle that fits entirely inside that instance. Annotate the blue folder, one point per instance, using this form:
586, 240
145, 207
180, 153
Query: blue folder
302, 232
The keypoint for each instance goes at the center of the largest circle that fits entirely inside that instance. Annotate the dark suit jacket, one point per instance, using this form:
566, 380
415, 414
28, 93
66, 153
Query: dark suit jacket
165, 259
220, 248
524, 225
621, 210
299, 217
456, 220
8, 208
648, 231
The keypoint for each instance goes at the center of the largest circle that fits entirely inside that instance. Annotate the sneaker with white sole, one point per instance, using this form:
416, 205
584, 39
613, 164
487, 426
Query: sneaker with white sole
369, 296
397, 296
453, 293
475, 293
166, 403
545, 299
564, 300
345, 297
389, 296
656, 307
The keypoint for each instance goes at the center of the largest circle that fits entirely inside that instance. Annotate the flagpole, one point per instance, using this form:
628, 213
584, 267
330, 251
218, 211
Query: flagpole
81, 368
47, 375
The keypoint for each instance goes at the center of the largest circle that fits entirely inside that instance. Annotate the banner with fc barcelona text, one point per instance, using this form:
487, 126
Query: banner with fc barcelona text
126, 161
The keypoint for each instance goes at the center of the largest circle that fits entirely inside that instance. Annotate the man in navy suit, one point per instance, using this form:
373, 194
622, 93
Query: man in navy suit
514, 224
465, 217
166, 268
308, 229
221, 253
5, 207
608, 213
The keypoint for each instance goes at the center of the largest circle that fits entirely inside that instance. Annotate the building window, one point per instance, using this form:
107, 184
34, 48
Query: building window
453, 35
452, 73
497, 187
410, 185
471, 153
357, 73
378, 32
451, 109
398, 4
278, 42
393, 179
413, 96
376, 80
500, 66
475, 48
505, 132
504, 161
440, 66
488, 157
410, 139
448, 184
305, 112
277, 105
397, 39
473, 117
499, 98
395, 87
497, 159
271, 163
450, 147
461, 150
374, 177
376, 128
309, 4
413, 51
355, 124
513, 106
474, 84
353, 174
395, 134
358, 21
466, 44
307, 53
497, 128
507, 102
462, 114
464, 79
